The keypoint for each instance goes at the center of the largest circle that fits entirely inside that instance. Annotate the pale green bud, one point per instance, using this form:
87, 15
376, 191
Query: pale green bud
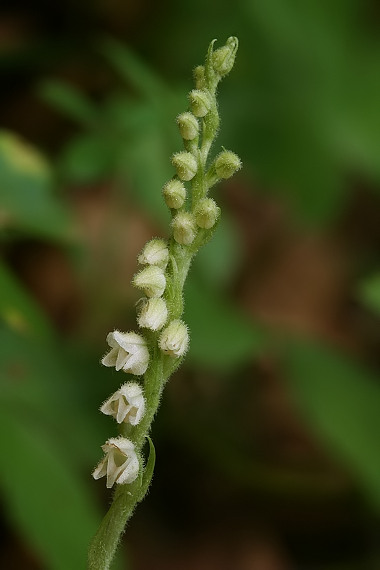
199, 77
153, 314
155, 252
174, 193
185, 164
184, 228
223, 59
206, 213
188, 126
227, 163
200, 102
151, 280
174, 339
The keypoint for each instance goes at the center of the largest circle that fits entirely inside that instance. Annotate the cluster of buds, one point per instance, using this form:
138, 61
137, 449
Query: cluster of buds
165, 263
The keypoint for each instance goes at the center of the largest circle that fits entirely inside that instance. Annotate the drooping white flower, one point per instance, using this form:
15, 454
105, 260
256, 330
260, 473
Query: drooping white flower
120, 463
153, 314
126, 405
129, 352
155, 252
151, 280
174, 339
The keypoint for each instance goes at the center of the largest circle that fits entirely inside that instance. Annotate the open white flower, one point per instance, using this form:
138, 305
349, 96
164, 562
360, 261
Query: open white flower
120, 463
128, 352
126, 405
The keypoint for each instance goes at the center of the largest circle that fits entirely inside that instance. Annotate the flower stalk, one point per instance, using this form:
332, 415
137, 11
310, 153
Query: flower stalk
154, 353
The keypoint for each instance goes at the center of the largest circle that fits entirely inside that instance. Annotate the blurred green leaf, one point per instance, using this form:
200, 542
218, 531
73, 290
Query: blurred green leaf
221, 337
369, 292
45, 497
71, 101
218, 261
131, 68
19, 310
26, 197
88, 158
341, 402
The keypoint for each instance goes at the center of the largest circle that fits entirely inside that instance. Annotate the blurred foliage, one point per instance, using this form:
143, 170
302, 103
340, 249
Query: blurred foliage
302, 108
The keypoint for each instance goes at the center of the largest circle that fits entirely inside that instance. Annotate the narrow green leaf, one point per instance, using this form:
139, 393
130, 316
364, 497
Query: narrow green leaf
71, 101
132, 68
149, 469
44, 495
26, 193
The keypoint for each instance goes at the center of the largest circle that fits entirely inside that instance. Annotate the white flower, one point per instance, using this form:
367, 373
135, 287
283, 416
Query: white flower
155, 252
126, 405
153, 314
151, 280
174, 339
128, 352
120, 463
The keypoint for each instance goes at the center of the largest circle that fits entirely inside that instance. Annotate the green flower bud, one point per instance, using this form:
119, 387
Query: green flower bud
188, 126
200, 102
199, 77
185, 164
223, 59
206, 213
227, 163
174, 193
184, 228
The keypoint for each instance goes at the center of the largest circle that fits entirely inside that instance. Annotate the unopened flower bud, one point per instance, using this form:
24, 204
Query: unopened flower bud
119, 464
151, 280
206, 213
223, 58
185, 164
153, 314
199, 77
188, 126
200, 102
126, 405
174, 339
227, 163
184, 228
155, 252
174, 193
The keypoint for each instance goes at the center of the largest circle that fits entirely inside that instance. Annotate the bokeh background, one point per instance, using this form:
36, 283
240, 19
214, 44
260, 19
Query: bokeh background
268, 438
